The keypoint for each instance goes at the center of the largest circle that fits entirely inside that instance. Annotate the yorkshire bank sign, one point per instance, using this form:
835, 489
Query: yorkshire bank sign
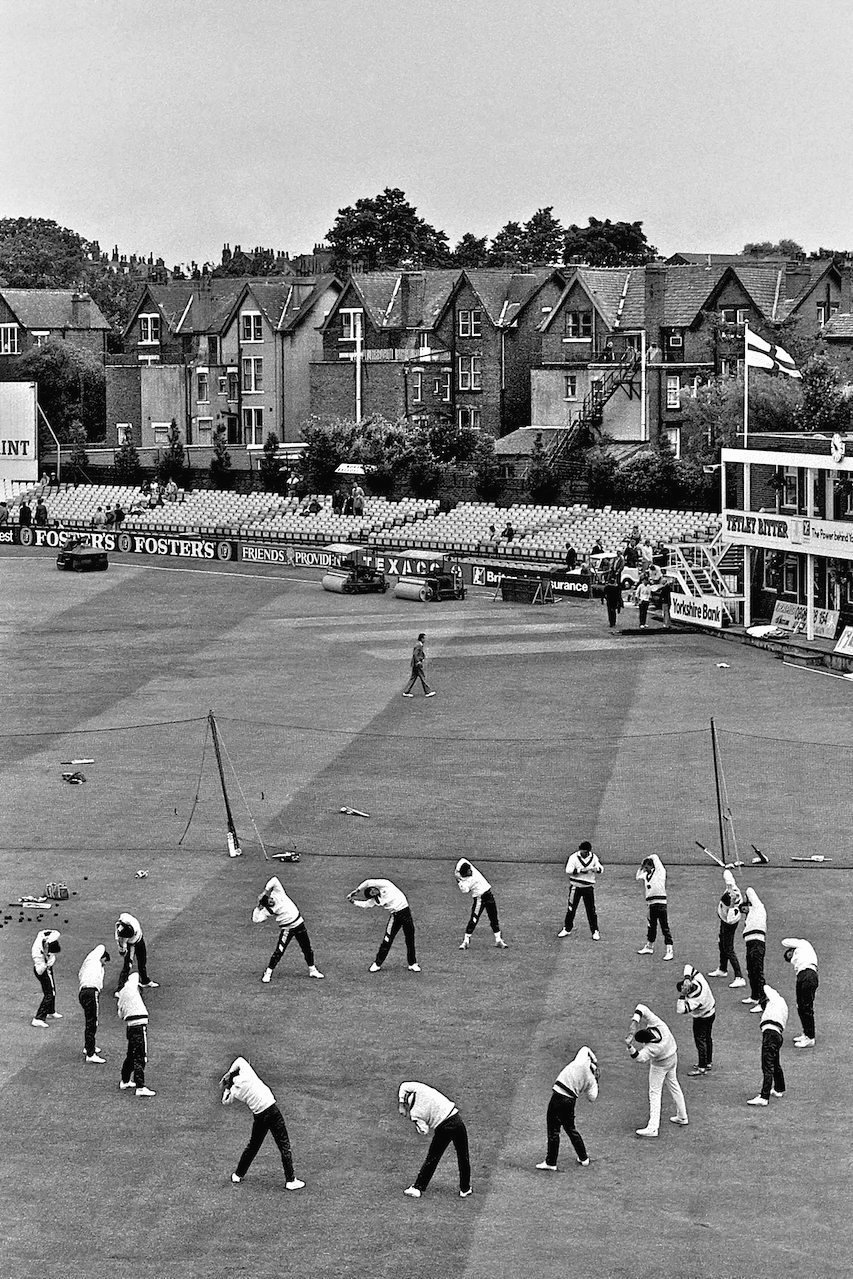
18, 452
697, 610
789, 533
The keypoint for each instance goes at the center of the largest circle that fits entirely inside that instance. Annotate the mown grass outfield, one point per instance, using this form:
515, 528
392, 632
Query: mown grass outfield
547, 729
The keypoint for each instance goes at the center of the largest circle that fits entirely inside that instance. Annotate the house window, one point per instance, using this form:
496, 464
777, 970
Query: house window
253, 375
213, 348
39, 336
470, 373
253, 427
222, 384
468, 418
579, 324
417, 386
570, 391
423, 341
205, 429
731, 367
441, 386
675, 340
10, 343
734, 315
203, 379
821, 314
470, 324
351, 324
251, 329
233, 389
673, 439
790, 487
673, 393
149, 329
834, 308
161, 432
148, 360
791, 575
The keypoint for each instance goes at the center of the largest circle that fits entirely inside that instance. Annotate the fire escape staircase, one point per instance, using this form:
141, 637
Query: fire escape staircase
587, 421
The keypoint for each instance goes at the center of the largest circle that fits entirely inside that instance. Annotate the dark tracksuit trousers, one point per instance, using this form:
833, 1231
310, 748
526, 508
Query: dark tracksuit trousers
139, 950
48, 993
398, 919
300, 932
449, 1130
581, 893
807, 984
271, 1121
137, 1056
658, 915
561, 1114
89, 1003
771, 1066
417, 674
702, 1031
485, 903
755, 968
727, 948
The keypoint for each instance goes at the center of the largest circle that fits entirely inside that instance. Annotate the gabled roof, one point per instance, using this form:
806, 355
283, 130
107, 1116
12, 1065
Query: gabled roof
400, 299
54, 309
199, 306
504, 294
721, 259
284, 303
807, 275
617, 293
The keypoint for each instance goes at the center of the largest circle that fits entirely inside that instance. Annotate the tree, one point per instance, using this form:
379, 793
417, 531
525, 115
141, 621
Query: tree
269, 465
173, 464
78, 459
115, 295
543, 238
71, 386
329, 441
449, 442
424, 472
220, 463
471, 251
824, 405
507, 248
384, 232
385, 448
543, 482
127, 465
489, 482
608, 244
36, 253
767, 249
713, 418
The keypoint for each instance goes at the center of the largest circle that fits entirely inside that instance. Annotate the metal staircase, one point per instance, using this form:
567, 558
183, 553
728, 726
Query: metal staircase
589, 417
703, 567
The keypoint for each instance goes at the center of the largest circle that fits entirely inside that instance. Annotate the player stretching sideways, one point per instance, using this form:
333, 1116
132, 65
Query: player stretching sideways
470, 880
241, 1083
651, 1040
430, 1111
579, 1078
652, 874
582, 868
729, 913
275, 901
381, 892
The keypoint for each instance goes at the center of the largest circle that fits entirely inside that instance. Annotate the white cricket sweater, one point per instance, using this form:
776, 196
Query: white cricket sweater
248, 1087
577, 1078
755, 919
700, 1002
774, 1015
804, 955
286, 912
429, 1107
729, 911
475, 883
91, 972
582, 868
665, 1052
42, 957
131, 1007
654, 880
134, 924
390, 896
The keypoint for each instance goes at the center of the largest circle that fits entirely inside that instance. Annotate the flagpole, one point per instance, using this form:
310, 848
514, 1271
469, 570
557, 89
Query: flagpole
745, 386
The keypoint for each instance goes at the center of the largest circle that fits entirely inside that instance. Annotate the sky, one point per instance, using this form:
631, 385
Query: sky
173, 126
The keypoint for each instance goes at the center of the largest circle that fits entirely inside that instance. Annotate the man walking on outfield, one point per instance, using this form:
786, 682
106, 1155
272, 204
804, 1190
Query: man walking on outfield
241, 1083
44, 951
430, 1111
418, 665
578, 1079
582, 868
91, 979
652, 875
470, 880
774, 1019
755, 935
729, 912
275, 901
131, 944
381, 892
652, 1040
800, 954
696, 997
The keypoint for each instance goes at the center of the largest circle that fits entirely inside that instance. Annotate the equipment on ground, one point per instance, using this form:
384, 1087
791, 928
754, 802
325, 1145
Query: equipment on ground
79, 556
525, 590
816, 857
354, 579
438, 586
354, 812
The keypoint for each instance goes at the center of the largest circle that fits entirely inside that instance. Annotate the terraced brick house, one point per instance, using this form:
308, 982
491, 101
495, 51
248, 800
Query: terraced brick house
28, 317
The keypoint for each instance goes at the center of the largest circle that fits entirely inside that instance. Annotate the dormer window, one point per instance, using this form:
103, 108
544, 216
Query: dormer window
251, 327
149, 329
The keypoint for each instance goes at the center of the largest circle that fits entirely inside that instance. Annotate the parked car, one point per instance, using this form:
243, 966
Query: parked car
354, 579
79, 556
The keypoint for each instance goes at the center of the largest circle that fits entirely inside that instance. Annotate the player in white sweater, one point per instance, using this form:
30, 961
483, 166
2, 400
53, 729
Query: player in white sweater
382, 892
582, 868
774, 1019
651, 1040
697, 998
134, 1014
91, 980
470, 880
755, 935
431, 1112
242, 1083
274, 901
578, 1079
44, 951
801, 955
131, 944
652, 875
729, 914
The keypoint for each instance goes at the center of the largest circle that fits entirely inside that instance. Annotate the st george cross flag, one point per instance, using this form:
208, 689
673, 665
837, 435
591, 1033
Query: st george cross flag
764, 355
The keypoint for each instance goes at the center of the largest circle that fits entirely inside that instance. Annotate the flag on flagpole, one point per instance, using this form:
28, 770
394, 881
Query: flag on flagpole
759, 354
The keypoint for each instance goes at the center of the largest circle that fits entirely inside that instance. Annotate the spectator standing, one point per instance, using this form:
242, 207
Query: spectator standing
470, 880
357, 500
242, 1083
571, 557
98, 518
728, 910
597, 548
431, 1112
25, 514
697, 998
337, 501
652, 875
493, 533
800, 954
644, 599
582, 868
774, 1019
647, 554
665, 597
418, 667
754, 917
91, 980
381, 892
118, 516
44, 951
274, 901
134, 1014
578, 1079
41, 514
651, 1040
612, 599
